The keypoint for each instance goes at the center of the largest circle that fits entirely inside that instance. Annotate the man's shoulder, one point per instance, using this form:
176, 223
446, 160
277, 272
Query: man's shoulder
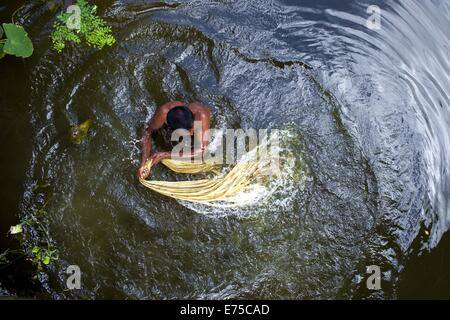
200, 107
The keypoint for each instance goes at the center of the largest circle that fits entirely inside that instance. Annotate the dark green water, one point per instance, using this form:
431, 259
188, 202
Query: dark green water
373, 155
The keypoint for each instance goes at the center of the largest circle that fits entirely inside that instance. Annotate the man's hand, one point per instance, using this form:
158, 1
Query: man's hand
143, 171
157, 157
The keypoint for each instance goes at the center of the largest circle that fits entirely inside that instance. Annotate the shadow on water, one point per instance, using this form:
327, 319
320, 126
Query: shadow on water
367, 114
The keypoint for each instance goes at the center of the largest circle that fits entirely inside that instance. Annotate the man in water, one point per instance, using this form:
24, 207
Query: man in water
176, 115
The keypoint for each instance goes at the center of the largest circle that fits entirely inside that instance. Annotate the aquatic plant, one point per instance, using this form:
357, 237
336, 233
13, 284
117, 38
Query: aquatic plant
16, 43
40, 253
43, 256
80, 21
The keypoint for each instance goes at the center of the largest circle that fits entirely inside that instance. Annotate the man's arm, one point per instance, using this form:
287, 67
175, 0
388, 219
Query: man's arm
202, 136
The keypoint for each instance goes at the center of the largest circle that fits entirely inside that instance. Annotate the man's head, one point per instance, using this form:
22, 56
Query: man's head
180, 118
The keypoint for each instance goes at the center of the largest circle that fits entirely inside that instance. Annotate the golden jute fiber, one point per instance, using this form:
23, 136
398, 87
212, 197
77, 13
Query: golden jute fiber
219, 188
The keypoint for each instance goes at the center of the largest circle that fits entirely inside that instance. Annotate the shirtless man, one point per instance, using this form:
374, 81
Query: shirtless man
175, 115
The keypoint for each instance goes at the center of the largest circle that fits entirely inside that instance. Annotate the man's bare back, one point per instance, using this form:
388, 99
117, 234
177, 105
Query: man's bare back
176, 115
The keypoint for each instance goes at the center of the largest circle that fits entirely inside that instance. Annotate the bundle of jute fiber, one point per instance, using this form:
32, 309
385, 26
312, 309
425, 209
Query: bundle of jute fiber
217, 189
188, 167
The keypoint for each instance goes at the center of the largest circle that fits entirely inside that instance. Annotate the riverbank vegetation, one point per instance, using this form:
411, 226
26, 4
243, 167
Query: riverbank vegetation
41, 253
81, 22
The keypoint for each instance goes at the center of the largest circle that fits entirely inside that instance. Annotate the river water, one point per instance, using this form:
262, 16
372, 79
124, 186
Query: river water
368, 109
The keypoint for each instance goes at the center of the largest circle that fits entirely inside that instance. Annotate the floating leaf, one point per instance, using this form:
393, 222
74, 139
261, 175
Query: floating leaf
16, 229
79, 133
18, 42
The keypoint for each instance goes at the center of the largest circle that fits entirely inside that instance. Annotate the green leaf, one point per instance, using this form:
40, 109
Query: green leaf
2, 54
16, 229
35, 249
46, 260
18, 42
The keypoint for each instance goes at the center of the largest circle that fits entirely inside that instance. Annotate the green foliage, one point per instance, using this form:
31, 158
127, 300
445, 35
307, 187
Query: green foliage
43, 252
43, 256
61, 35
2, 54
17, 42
94, 29
40, 253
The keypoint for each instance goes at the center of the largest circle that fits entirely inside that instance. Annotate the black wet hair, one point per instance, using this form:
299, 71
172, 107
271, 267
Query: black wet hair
180, 117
